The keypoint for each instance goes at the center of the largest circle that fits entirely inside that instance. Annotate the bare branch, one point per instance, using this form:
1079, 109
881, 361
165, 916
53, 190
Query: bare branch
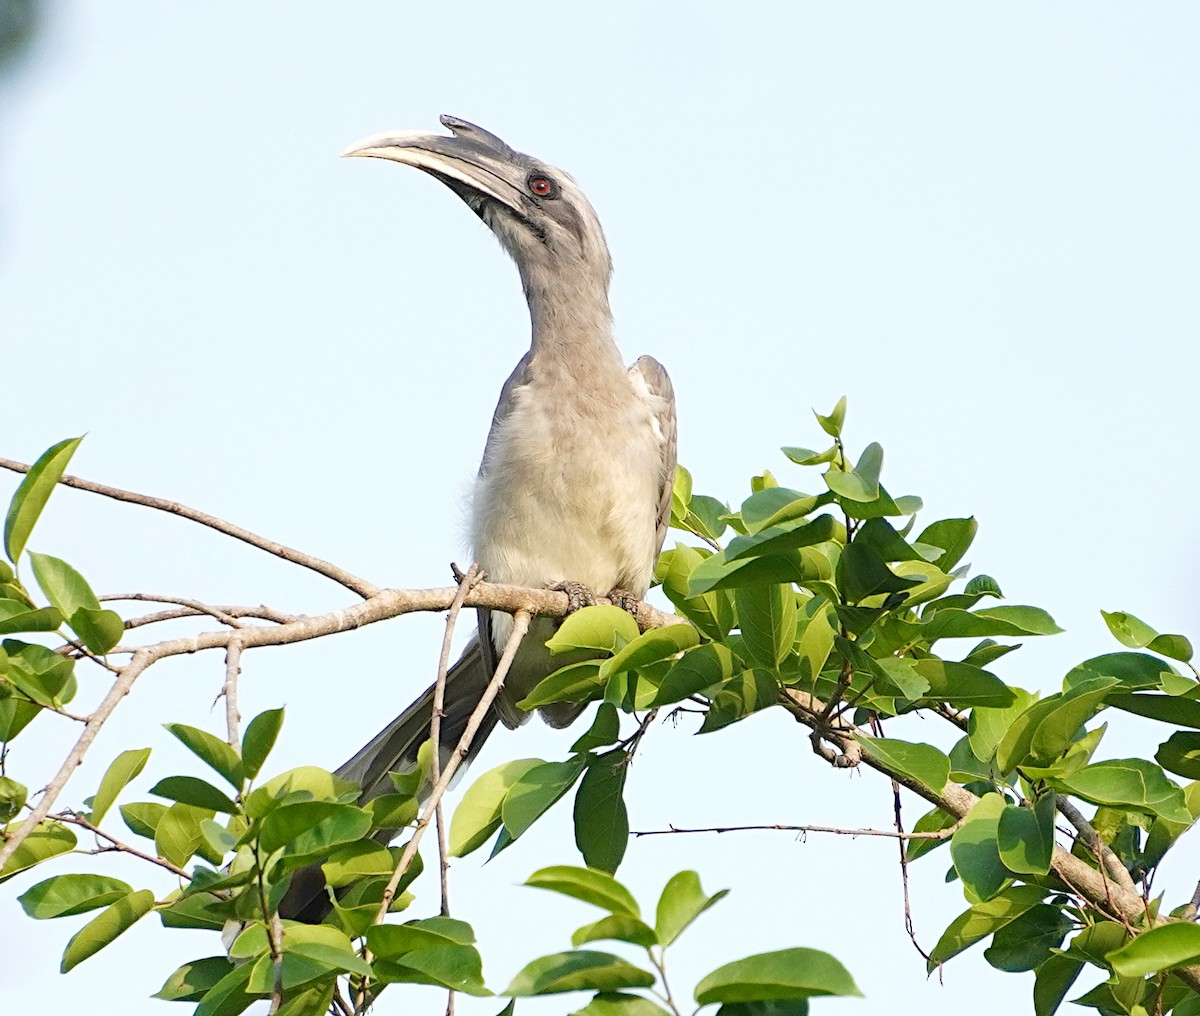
71, 818
233, 667
465, 582
939, 834
383, 605
331, 571
1102, 851
120, 688
1095, 887
520, 626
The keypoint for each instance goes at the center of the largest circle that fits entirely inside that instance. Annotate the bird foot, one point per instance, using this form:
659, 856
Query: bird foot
578, 595
626, 601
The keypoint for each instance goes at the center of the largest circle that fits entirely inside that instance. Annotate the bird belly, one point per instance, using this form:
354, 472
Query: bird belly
570, 493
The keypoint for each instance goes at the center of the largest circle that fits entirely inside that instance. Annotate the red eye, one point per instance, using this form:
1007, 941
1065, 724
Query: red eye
541, 186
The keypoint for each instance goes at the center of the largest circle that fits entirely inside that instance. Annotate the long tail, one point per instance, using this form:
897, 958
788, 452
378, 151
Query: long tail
394, 749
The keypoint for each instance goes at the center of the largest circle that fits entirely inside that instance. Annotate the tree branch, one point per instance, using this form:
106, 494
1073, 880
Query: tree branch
330, 571
939, 834
1092, 885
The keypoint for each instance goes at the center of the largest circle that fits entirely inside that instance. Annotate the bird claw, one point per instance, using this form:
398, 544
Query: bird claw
626, 601
578, 595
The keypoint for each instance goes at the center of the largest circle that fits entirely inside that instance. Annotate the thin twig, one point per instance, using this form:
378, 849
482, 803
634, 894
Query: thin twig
330, 571
233, 667
120, 688
435, 729
939, 834
1095, 843
520, 626
227, 614
115, 845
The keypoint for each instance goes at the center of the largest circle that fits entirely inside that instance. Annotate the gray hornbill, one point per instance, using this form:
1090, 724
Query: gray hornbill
575, 483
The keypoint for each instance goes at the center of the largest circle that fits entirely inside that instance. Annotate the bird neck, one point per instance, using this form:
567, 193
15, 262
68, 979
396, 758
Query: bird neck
572, 323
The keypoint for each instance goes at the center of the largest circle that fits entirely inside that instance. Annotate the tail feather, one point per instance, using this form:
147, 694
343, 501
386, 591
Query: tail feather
394, 749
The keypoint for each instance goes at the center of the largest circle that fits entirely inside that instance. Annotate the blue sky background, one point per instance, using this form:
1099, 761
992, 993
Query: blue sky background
979, 222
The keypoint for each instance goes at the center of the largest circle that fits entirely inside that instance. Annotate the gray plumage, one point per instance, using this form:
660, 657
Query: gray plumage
575, 483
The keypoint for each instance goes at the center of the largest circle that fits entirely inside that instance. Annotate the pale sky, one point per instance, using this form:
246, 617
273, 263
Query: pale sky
979, 222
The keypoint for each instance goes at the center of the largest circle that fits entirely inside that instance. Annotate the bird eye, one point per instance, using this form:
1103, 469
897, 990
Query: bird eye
542, 186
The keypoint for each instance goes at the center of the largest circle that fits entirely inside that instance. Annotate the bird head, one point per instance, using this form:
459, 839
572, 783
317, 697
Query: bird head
537, 212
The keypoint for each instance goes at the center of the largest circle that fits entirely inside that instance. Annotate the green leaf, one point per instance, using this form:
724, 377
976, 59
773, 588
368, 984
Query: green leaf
1182, 712
1180, 754
953, 537
984, 919
354, 860
953, 623
650, 647
1128, 630
394, 940
862, 572
312, 827
33, 493
582, 970
143, 817
17, 619
596, 887
227, 997
457, 967
258, 741
1134, 670
709, 513
194, 791
536, 790
576, 682
605, 730
862, 484
478, 814
67, 895
1175, 646
123, 768
12, 798
787, 973
832, 424
695, 672
1048, 728
1026, 943
105, 927
1053, 981
211, 750
773, 1007
805, 565
682, 901
1130, 783
15, 715
601, 819
192, 980
963, 685
616, 1003
602, 627
920, 762
40, 673
778, 538
740, 696
1025, 837
617, 927
988, 724
767, 617
773, 505
975, 850
1161, 948
47, 840
178, 835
